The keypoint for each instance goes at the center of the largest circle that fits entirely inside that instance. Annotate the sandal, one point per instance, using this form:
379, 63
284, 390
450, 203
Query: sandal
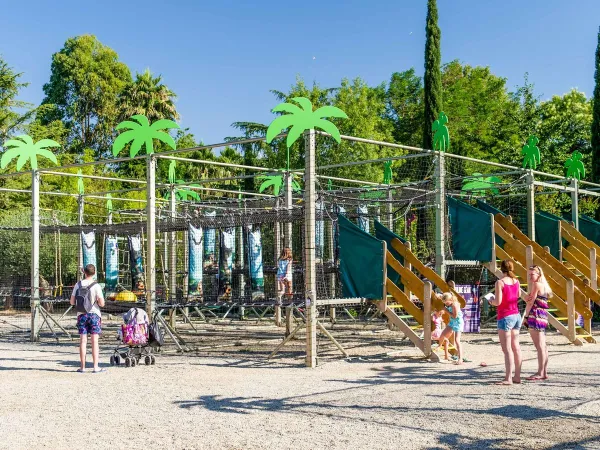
80, 371
100, 371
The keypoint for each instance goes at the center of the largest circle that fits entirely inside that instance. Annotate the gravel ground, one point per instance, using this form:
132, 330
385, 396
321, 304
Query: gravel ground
238, 399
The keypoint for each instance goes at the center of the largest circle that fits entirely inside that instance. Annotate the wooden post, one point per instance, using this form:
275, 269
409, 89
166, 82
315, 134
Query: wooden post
289, 320
593, 284
278, 315
560, 246
529, 263
571, 309
36, 323
530, 205
409, 267
310, 273
427, 319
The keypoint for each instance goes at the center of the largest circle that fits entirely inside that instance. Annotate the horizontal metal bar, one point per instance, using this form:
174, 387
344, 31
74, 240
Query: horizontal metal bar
341, 301
370, 161
200, 188
215, 163
94, 177
22, 191
461, 263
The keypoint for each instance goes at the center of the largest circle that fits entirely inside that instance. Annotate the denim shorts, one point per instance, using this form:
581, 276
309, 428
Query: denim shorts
512, 322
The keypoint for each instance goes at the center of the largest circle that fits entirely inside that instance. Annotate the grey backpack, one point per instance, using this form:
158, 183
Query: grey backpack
83, 298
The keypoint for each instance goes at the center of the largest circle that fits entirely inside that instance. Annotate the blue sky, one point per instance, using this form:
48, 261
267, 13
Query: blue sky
223, 57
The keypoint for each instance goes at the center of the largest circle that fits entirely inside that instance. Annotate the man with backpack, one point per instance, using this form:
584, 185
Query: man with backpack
87, 298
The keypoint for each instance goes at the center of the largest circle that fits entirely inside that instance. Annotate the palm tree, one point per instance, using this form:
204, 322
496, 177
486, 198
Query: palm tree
441, 137
302, 118
149, 97
24, 148
250, 150
531, 153
142, 133
574, 166
478, 184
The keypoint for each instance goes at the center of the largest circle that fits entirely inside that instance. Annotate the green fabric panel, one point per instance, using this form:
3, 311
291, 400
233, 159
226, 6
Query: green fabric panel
546, 231
361, 261
486, 207
382, 233
590, 228
471, 231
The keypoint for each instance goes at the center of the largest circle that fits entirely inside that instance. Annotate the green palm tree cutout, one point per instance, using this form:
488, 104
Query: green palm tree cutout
181, 194
276, 181
329, 185
80, 187
574, 166
477, 184
531, 153
141, 133
387, 172
109, 206
441, 136
23, 148
302, 118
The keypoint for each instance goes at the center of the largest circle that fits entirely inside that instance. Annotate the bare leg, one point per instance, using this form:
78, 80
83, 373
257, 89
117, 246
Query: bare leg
509, 364
446, 354
458, 346
95, 351
82, 350
544, 347
536, 338
516, 350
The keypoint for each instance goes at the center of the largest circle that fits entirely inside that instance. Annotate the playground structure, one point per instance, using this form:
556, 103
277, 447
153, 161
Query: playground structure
189, 259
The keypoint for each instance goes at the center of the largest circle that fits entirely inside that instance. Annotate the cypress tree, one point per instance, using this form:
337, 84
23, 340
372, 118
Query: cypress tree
596, 121
433, 74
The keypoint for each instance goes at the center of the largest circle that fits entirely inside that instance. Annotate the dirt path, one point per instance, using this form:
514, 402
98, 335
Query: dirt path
242, 401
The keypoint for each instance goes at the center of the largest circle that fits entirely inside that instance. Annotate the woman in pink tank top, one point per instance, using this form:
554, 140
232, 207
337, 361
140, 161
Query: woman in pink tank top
508, 291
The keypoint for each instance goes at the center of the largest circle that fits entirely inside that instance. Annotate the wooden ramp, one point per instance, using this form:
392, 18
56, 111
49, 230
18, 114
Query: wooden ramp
398, 299
570, 294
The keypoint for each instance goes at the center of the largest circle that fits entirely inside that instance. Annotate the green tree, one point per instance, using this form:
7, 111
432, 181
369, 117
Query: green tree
433, 76
25, 150
404, 98
596, 121
85, 82
10, 116
250, 150
147, 96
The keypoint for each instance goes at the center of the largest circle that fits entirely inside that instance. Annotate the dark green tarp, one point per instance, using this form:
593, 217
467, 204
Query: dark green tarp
471, 232
383, 234
486, 207
361, 262
590, 228
546, 231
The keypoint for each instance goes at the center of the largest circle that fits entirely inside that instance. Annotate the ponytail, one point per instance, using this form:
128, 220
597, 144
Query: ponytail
507, 267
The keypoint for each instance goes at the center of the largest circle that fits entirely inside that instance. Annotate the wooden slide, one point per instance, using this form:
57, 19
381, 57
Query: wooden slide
413, 285
571, 295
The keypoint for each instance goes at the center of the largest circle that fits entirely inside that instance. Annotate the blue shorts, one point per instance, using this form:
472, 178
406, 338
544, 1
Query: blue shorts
456, 324
512, 322
89, 323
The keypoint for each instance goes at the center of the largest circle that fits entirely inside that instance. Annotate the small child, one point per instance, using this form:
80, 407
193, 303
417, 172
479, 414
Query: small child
284, 273
455, 325
438, 320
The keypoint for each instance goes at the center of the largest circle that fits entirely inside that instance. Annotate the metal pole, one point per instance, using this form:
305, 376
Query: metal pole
390, 211
173, 249
35, 256
80, 204
530, 205
575, 202
310, 281
287, 240
440, 215
150, 234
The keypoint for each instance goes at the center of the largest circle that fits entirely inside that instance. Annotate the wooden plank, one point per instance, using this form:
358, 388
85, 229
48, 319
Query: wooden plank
573, 240
403, 300
427, 272
408, 332
570, 256
575, 232
414, 283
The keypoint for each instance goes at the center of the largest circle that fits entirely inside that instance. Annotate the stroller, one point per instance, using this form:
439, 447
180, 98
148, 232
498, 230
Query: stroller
136, 339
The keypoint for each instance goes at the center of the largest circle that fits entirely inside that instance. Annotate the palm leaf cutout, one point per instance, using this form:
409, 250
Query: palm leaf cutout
141, 133
276, 181
300, 118
387, 172
441, 137
24, 149
186, 195
109, 205
531, 153
80, 186
329, 185
574, 166
479, 185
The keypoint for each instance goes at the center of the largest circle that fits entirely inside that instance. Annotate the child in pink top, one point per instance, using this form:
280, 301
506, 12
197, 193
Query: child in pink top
438, 321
